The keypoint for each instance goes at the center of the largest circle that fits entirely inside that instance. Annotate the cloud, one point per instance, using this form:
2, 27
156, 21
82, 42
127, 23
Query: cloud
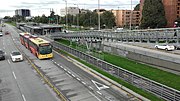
5, 11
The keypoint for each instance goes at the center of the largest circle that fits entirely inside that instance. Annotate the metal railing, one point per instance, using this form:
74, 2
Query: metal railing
133, 36
146, 84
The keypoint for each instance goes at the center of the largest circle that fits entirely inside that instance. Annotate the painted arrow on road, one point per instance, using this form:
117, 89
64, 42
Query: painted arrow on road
99, 85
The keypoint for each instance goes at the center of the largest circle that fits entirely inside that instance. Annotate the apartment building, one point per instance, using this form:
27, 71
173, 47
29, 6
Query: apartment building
172, 10
123, 18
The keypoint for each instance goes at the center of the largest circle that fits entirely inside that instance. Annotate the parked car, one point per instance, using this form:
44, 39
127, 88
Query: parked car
1, 34
165, 47
16, 56
2, 55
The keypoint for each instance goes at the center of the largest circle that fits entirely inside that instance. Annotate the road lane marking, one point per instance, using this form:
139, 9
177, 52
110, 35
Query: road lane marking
90, 87
73, 75
24, 99
69, 72
95, 96
84, 83
14, 75
9, 61
78, 79
99, 93
99, 85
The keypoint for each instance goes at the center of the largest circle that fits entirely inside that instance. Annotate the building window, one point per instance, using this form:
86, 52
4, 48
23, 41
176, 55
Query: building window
177, 12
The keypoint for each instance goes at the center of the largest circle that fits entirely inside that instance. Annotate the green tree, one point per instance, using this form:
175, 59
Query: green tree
107, 19
137, 8
153, 14
43, 19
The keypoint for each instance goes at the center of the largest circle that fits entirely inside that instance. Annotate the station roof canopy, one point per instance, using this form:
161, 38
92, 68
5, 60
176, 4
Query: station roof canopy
42, 26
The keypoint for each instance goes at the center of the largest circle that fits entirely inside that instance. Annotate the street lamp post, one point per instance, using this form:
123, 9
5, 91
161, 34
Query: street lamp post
66, 15
130, 17
77, 17
99, 22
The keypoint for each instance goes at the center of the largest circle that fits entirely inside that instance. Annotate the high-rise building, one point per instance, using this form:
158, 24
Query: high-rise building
70, 10
124, 18
172, 10
23, 12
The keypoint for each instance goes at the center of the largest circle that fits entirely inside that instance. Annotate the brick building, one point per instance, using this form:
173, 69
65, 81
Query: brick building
172, 10
123, 18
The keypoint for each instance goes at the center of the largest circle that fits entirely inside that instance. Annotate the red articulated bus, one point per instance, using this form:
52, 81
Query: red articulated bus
41, 48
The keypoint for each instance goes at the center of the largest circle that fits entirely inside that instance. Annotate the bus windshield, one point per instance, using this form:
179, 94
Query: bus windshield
45, 49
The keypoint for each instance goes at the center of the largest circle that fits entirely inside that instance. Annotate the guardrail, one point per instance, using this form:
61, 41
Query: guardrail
146, 84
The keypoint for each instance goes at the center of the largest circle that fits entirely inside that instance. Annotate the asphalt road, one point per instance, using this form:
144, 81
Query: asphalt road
18, 82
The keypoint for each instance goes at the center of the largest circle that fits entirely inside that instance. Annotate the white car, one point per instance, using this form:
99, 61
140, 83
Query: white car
1, 34
165, 47
16, 56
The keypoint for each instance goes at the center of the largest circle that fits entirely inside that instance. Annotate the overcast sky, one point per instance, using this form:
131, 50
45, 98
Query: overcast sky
39, 7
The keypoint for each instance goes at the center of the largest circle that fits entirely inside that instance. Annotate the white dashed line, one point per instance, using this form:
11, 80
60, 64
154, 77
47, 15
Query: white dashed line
55, 62
61, 66
78, 79
98, 92
69, 72
65, 69
23, 97
8, 61
73, 75
90, 87
14, 75
58, 64
84, 83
